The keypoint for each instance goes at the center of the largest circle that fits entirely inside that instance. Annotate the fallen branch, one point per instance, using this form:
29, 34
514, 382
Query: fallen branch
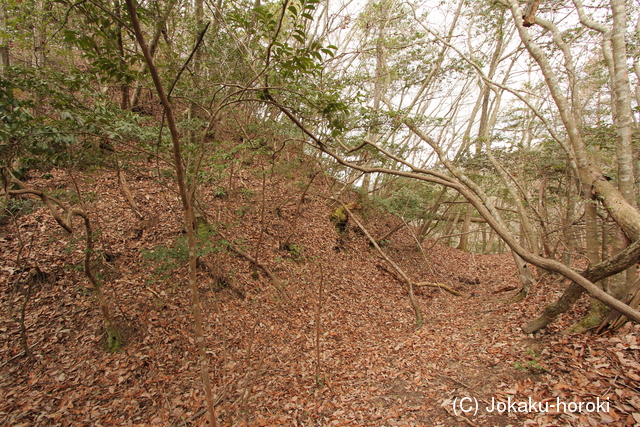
399, 227
127, 192
441, 286
412, 298
268, 272
505, 289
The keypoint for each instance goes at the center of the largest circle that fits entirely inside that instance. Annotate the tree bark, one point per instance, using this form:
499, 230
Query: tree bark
135, 97
597, 310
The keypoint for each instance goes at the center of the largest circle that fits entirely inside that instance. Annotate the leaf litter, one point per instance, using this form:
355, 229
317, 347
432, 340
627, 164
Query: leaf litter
376, 368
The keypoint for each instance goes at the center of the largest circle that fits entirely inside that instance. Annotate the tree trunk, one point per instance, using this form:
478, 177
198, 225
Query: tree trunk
597, 310
464, 234
491, 241
623, 120
380, 81
5, 61
426, 227
135, 97
189, 217
526, 278
452, 226
38, 36
124, 87
627, 217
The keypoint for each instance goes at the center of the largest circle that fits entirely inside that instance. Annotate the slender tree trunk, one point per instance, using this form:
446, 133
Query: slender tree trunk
525, 275
490, 242
189, 216
450, 227
160, 25
544, 218
5, 61
196, 64
568, 230
38, 36
426, 228
380, 82
124, 87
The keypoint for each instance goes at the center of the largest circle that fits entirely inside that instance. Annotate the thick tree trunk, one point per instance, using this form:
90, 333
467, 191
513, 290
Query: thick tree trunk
464, 234
594, 273
623, 120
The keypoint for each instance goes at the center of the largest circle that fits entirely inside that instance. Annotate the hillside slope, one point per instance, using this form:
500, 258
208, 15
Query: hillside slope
376, 368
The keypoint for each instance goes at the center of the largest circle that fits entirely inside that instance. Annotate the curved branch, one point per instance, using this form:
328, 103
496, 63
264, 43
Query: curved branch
486, 210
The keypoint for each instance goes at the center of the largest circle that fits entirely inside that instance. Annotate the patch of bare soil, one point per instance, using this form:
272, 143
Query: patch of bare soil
264, 339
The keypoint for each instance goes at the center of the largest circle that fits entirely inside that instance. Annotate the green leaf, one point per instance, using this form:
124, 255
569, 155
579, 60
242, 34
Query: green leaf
328, 52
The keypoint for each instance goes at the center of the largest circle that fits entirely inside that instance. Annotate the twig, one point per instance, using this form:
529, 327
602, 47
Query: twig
186, 63
386, 236
262, 222
17, 356
465, 419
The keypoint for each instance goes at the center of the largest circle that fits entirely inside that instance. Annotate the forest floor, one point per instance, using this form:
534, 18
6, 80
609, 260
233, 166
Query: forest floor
375, 367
